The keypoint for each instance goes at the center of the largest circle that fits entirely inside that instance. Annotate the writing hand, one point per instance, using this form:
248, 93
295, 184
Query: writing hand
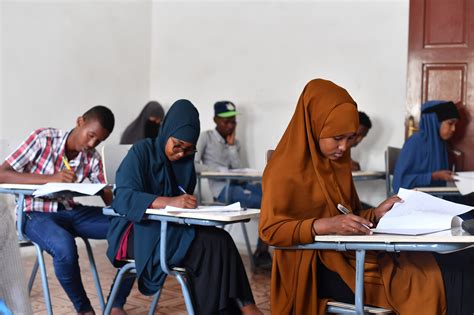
443, 175
349, 224
184, 201
65, 176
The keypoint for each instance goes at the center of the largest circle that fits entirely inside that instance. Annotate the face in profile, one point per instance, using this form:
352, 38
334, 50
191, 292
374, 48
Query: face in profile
359, 136
225, 126
447, 128
333, 148
88, 134
176, 149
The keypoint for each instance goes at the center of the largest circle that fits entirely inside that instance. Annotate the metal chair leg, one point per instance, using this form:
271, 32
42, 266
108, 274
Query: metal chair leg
154, 302
130, 267
34, 271
90, 254
44, 279
185, 287
249, 248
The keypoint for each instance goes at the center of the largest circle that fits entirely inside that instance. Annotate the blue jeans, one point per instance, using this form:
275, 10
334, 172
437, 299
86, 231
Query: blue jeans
55, 233
249, 195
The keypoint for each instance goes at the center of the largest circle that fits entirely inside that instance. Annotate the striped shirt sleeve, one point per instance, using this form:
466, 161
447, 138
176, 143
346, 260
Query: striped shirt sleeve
27, 152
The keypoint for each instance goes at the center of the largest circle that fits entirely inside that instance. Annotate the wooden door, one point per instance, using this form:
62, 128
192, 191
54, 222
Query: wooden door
441, 67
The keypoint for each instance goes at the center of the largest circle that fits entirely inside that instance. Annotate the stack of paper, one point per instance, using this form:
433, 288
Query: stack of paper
420, 213
465, 182
230, 208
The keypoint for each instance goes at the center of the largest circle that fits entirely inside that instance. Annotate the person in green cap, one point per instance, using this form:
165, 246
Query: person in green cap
219, 150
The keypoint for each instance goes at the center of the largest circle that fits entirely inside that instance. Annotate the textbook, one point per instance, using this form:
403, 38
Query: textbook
422, 213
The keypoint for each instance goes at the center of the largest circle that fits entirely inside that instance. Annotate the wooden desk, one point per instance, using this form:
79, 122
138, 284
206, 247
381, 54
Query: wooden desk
444, 241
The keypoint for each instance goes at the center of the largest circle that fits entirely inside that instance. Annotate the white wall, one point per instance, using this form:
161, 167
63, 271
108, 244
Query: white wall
260, 54
59, 58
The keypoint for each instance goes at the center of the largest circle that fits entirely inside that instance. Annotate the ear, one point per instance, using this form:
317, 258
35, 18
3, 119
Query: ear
80, 121
215, 119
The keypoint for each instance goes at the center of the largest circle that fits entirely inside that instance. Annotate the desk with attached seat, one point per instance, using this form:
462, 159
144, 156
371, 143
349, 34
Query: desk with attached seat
20, 191
440, 242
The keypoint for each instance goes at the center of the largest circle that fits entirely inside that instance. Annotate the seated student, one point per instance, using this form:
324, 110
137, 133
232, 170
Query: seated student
146, 125
153, 175
423, 160
54, 223
218, 149
364, 126
301, 202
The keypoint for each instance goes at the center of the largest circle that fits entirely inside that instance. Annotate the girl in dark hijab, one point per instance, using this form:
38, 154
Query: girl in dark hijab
146, 125
149, 177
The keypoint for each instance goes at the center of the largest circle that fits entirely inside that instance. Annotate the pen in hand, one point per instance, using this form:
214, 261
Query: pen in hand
66, 163
182, 189
345, 211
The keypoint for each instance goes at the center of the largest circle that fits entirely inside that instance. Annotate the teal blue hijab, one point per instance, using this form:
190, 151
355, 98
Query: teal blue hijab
145, 174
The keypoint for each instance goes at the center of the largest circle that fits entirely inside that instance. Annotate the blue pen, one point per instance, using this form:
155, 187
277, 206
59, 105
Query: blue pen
182, 189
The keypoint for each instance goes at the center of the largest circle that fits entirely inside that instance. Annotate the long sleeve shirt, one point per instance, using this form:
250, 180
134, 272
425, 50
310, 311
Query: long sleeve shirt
214, 154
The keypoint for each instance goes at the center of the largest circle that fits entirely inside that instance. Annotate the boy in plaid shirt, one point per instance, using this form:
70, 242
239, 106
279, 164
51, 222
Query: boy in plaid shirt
54, 223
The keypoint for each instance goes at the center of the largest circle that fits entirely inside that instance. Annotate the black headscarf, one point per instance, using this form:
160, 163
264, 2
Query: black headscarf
143, 175
142, 127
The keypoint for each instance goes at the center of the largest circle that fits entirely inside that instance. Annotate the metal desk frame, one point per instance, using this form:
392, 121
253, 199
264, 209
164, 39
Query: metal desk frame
361, 247
21, 193
164, 220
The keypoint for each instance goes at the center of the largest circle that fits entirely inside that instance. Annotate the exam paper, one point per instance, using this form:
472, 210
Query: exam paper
420, 213
230, 208
464, 182
85, 188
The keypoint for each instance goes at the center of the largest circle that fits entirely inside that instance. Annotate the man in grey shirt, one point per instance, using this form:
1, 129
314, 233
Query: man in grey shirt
219, 150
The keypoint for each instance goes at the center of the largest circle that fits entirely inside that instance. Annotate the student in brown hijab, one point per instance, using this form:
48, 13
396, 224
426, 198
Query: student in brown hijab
307, 176
146, 125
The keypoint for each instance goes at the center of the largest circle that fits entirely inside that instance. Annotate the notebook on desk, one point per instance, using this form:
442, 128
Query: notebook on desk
421, 213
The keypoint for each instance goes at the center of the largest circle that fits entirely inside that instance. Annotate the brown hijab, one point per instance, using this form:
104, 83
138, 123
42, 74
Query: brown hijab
300, 185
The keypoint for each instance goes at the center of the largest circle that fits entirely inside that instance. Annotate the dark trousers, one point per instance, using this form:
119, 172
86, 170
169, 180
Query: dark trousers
55, 233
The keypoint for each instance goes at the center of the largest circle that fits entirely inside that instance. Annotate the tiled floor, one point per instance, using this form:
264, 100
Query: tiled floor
171, 300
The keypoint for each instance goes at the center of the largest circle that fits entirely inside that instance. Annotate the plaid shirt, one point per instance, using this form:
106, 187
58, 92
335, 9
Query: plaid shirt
41, 153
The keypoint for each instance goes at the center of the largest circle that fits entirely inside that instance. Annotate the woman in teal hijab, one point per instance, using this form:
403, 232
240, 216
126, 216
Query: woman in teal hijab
150, 177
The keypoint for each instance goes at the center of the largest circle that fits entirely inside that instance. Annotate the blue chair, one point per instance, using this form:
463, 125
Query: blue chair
129, 269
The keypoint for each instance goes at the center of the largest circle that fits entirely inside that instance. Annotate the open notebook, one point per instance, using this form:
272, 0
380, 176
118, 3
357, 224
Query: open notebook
421, 213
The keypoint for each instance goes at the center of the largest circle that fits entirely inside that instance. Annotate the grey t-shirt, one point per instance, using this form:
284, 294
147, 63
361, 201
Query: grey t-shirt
214, 154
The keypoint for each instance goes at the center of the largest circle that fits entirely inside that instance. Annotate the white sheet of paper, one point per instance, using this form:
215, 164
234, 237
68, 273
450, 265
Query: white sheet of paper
232, 207
464, 182
420, 213
85, 188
